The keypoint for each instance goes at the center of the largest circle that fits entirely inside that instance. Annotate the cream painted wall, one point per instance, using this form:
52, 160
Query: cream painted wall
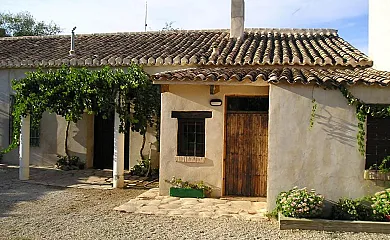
52, 132
379, 33
196, 98
151, 147
324, 158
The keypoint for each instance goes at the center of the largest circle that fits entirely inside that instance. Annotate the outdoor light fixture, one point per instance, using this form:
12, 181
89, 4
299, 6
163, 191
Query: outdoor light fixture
215, 102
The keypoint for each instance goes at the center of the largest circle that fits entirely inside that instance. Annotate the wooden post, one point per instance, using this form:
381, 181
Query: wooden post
119, 155
24, 149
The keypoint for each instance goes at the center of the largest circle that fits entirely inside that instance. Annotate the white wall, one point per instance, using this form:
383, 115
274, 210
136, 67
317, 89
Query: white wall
196, 98
326, 157
379, 33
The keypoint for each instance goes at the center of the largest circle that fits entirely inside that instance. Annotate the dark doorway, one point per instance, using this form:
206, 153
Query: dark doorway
104, 144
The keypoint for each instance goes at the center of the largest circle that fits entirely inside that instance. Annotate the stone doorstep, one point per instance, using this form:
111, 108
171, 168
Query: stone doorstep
151, 203
169, 206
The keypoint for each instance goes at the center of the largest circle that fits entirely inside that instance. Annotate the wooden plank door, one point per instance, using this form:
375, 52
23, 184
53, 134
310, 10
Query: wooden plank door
246, 154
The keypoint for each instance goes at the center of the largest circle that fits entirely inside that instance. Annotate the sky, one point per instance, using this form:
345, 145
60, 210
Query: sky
350, 17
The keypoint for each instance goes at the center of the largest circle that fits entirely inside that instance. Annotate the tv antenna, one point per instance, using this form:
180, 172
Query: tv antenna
146, 14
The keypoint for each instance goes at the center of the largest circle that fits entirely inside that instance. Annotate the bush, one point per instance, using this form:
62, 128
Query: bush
69, 163
349, 209
381, 203
178, 183
143, 169
300, 203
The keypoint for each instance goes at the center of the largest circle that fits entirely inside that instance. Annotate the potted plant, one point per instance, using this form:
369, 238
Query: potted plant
185, 189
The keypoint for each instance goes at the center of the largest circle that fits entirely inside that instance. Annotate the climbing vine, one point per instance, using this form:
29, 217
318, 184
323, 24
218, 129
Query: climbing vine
313, 113
71, 92
313, 109
362, 111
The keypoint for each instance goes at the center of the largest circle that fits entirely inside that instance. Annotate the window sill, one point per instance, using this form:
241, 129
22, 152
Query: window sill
190, 159
376, 175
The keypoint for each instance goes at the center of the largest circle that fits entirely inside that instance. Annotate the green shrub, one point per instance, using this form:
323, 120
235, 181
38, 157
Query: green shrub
300, 203
178, 183
141, 168
349, 209
381, 203
69, 163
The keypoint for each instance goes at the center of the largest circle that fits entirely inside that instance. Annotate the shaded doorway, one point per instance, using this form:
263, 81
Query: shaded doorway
104, 143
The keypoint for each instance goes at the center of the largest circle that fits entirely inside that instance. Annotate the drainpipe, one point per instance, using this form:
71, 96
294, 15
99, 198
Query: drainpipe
72, 38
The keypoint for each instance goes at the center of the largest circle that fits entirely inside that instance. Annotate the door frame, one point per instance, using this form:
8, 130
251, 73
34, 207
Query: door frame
225, 115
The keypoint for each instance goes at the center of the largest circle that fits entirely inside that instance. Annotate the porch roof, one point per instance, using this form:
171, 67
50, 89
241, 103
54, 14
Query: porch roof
318, 75
308, 47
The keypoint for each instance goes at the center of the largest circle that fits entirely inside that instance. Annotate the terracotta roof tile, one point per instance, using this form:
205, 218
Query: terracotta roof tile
313, 47
318, 75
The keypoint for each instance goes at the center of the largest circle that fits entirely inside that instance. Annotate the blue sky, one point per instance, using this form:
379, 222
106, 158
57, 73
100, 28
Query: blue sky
350, 17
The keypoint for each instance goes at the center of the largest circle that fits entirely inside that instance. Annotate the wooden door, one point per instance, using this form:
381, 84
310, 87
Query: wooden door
246, 154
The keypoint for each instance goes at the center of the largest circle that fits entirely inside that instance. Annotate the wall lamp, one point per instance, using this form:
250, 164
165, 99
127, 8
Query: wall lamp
215, 102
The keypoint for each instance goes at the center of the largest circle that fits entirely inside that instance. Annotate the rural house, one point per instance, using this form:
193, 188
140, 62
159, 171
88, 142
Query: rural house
237, 105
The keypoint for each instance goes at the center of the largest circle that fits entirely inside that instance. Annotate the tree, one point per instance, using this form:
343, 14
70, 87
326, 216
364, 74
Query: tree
24, 24
169, 27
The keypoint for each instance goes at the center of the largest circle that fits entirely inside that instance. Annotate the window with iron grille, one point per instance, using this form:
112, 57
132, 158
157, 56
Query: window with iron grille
191, 132
34, 130
191, 137
378, 140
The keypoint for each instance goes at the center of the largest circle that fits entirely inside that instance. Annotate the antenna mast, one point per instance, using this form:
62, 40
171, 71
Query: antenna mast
146, 15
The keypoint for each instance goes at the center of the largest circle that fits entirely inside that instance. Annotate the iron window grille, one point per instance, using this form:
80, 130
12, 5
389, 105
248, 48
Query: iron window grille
378, 140
191, 137
34, 130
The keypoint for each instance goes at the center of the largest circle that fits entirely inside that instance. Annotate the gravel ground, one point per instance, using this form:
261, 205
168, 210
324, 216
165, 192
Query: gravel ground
30, 211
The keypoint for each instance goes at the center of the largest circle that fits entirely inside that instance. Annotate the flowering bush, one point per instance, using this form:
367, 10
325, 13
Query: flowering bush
300, 203
381, 203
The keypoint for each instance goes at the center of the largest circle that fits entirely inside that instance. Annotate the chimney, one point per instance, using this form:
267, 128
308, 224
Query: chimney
237, 18
72, 38
379, 33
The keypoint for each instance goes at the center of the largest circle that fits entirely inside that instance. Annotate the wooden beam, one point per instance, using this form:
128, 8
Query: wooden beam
191, 114
164, 88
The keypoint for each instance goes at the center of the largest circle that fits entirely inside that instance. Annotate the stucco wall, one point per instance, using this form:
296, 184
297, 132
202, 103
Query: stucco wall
196, 98
324, 158
52, 133
379, 33
53, 127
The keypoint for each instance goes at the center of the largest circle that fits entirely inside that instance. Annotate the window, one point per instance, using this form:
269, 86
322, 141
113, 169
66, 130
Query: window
191, 137
191, 132
378, 140
35, 135
34, 131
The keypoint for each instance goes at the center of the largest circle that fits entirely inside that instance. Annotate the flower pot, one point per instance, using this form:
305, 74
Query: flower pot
186, 192
387, 218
